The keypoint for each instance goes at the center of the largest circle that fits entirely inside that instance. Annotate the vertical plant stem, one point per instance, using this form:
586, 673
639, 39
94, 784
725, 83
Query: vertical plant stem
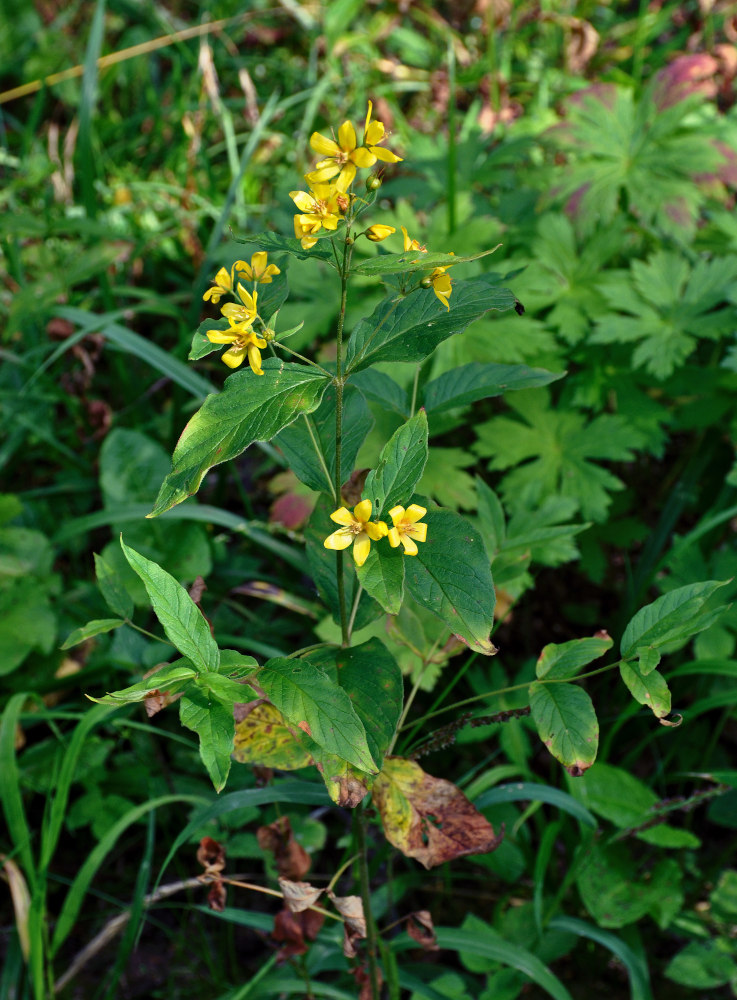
359, 834
339, 384
451, 180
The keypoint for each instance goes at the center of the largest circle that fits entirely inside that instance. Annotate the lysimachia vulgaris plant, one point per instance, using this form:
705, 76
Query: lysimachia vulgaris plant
372, 544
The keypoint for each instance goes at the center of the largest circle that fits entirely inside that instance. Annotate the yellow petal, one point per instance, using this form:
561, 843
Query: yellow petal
368, 119
378, 233
418, 531
234, 356
347, 137
221, 337
304, 201
414, 512
376, 530
361, 548
258, 264
339, 539
326, 147
397, 514
323, 173
374, 133
346, 176
362, 510
407, 240
343, 516
213, 295
363, 157
409, 546
394, 537
223, 279
385, 155
308, 241
254, 359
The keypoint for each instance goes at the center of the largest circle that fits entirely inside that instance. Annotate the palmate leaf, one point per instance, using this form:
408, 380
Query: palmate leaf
409, 329
553, 452
250, 408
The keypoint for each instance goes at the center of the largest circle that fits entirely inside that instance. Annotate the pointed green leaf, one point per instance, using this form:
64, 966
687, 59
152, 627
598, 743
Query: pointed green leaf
213, 721
201, 346
183, 622
116, 596
170, 678
382, 576
308, 699
400, 467
648, 689
410, 261
558, 662
378, 387
309, 443
226, 689
674, 616
648, 659
451, 576
566, 723
250, 408
467, 383
97, 627
409, 329
274, 243
371, 677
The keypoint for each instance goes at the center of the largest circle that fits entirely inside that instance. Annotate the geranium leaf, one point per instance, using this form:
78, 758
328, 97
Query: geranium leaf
250, 408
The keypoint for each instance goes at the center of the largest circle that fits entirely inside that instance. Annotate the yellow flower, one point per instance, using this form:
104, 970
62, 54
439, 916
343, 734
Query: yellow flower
223, 285
410, 244
357, 529
244, 341
320, 207
345, 155
378, 233
257, 270
442, 285
246, 311
406, 527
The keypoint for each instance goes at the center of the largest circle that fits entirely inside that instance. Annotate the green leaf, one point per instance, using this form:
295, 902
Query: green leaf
523, 791
410, 329
308, 699
566, 723
410, 261
451, 576
227, 689
635, 965
400, 466
616, 795
673, 617
378, 387
274, 243
322, 564
170, 678
467, 383
370, 676
183, 622
116, 596
309, 443
648, 689
559, 662
213, 721
97, 627
382, 576
616, 890
702, 965
201, 346
250, 408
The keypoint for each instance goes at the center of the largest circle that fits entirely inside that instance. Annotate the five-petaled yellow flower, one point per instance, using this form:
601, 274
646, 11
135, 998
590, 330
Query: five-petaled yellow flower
243, 312
258, 270
320, 207
223, 285
356, 529
244, 342
406, 527
345, 156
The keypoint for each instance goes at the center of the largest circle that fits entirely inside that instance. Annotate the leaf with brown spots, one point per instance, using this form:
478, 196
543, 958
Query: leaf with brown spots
263, 737
566, 723
292, 860
429, 818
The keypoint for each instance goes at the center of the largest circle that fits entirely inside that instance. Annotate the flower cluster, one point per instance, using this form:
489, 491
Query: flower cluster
357, 529
329, 196
439, 280
243, 312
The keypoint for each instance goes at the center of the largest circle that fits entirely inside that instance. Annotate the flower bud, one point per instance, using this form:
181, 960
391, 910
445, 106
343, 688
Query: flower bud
349, 241
426, 282
373, 182
268, 334
378, 233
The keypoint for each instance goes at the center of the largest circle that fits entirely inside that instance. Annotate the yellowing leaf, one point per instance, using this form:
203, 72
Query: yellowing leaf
262, 737
429, 818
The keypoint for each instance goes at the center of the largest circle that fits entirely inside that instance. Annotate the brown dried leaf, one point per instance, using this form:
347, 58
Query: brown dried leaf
211, 855
295, 929
352, 488
421, 929
217, 896
429, 818
354, 923
581, 44
292, 860
299, 896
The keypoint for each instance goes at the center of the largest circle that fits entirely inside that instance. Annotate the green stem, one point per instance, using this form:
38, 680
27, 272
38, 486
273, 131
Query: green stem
339, 384
359, 833
354, 610
321, 458
414, 390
